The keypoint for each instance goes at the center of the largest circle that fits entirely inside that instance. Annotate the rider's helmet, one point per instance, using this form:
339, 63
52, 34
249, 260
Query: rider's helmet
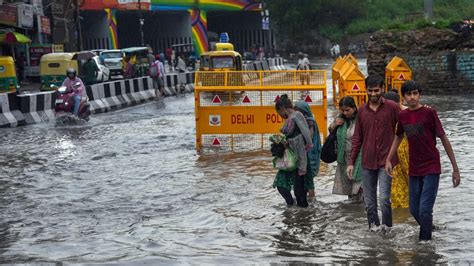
71, 73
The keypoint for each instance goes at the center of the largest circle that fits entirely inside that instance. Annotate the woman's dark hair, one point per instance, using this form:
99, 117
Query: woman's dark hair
284, 101
410, 85
348, 101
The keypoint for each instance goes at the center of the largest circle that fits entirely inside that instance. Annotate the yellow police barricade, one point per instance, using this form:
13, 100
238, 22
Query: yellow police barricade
339, 67
396, 73
352, 83
235, 110
335, 77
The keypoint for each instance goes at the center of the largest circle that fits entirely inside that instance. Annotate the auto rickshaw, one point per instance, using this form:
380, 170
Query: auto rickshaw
222, 60
53, 68
139, 58
8, 78
215, 65
187, 52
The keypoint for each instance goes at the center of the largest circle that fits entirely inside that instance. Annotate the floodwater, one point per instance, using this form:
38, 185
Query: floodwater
129, 188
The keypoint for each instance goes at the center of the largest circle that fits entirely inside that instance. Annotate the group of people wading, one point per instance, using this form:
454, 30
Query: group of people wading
383, 143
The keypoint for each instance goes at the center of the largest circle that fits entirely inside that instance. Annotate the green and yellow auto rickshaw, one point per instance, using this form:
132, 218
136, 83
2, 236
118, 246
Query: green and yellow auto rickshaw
53, 68
139, 58
8, 78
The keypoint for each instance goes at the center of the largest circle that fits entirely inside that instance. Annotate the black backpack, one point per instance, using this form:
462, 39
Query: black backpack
329, 149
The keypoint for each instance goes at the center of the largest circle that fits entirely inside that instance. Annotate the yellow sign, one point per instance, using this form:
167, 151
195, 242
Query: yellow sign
58, 48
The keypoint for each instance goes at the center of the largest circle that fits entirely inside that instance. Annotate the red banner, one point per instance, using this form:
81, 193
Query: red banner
38, 50
8, 15
45, 25
115, 4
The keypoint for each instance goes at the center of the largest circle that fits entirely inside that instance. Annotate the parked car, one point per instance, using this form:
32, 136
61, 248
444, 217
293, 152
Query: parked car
104, 73
112, 59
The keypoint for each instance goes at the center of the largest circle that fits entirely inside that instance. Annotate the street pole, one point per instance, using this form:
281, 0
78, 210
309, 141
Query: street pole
142, 38
428, 9
266, 29
78, 21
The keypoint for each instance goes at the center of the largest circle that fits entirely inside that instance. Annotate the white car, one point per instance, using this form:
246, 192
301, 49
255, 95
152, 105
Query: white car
113, 60
104, 73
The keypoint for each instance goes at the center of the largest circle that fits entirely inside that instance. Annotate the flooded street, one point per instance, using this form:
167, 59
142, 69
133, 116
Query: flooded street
129, 188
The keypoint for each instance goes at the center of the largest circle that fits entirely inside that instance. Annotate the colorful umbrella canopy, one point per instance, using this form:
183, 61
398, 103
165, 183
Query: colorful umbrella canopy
13, 37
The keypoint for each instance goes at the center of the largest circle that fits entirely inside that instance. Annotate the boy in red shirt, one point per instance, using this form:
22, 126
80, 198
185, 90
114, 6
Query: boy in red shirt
422, 125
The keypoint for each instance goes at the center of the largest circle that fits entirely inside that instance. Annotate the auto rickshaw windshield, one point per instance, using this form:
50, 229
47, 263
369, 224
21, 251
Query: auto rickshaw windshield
222, 62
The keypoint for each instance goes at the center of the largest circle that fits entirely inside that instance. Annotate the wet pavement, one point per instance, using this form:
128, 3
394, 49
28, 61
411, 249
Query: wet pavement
129, 188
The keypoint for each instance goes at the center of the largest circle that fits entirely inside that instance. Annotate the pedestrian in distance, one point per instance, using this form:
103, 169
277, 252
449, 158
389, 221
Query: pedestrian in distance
314, 154
174, 60
91, 71
150, 56
344, 126
157, 74
182, 69
373, 134
169, 52
299, 140
303, 65
129, 68
20, 63
421, 125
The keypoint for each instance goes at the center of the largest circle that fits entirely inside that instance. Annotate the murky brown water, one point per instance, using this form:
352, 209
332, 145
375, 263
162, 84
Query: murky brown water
129, 187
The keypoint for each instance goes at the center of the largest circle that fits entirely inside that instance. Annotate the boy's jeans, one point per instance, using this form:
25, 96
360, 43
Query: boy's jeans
369, 185
423, 191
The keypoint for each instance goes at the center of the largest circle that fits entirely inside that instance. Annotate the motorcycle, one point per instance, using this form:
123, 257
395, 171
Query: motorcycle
64, 106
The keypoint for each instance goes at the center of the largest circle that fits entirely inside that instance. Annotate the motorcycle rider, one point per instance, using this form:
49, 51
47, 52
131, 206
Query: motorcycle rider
71, 83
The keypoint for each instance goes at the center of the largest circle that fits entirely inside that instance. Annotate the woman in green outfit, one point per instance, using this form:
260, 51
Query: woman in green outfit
314, 155
345, 125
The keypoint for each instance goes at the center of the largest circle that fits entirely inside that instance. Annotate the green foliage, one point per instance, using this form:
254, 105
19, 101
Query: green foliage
298, 19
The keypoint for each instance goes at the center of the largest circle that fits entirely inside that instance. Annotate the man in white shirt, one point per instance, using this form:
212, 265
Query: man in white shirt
304, 65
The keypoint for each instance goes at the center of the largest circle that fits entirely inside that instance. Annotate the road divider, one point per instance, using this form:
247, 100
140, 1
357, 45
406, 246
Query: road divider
10, 115
37, 107
30, 108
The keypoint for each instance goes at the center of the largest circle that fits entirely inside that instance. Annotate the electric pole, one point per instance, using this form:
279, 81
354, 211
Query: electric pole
78, 26
428, 9
142, 38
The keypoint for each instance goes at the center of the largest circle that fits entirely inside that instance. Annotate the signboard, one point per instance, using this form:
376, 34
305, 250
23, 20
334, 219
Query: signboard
224, 37
8, 15
265, 23
115, 4
245, 120
133, 4
37, 7
25, 16
58, 48
44, 25
38, 50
